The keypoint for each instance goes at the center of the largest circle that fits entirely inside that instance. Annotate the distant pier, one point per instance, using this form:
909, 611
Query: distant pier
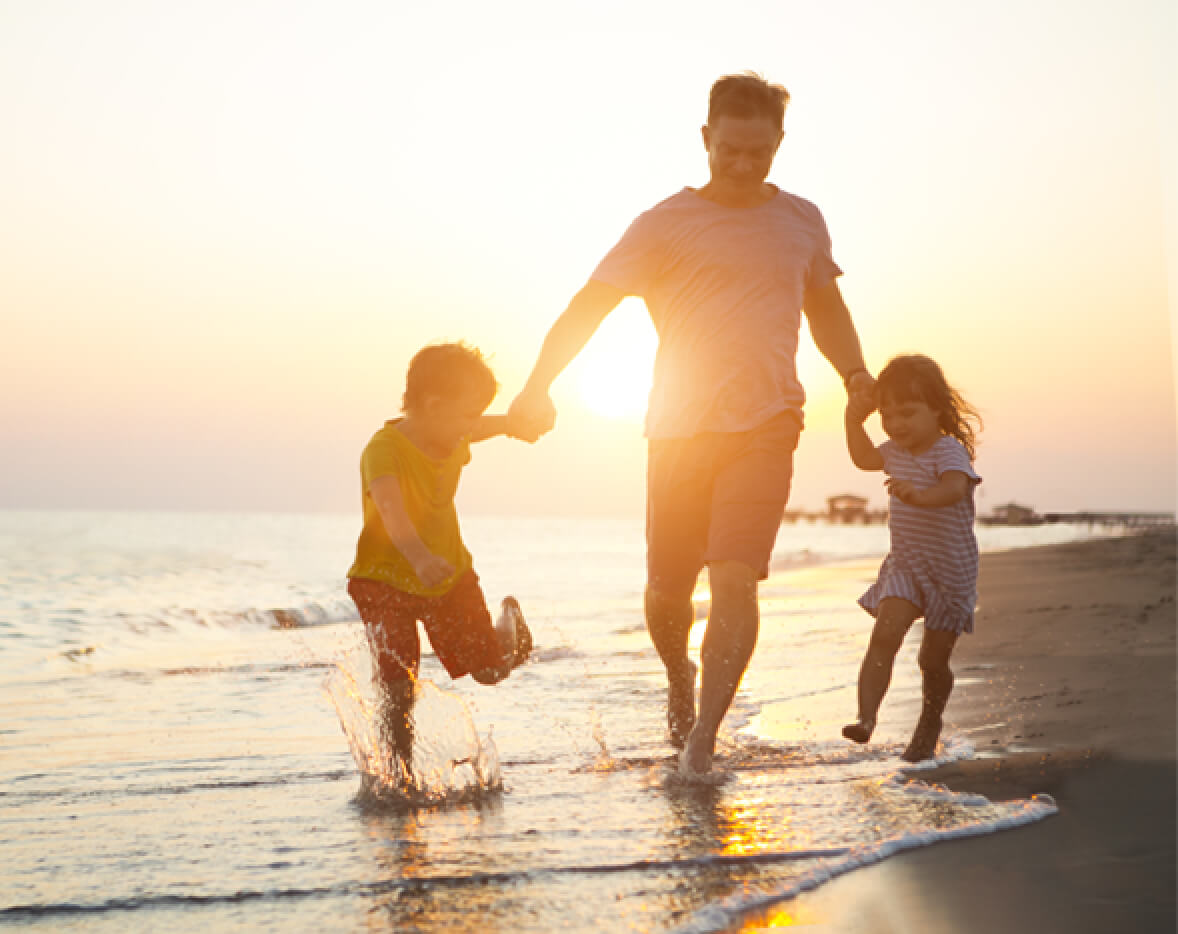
850, 509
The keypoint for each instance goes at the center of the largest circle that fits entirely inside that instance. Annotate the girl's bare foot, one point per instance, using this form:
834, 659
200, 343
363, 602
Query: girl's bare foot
860, 731
681, 706
924, 739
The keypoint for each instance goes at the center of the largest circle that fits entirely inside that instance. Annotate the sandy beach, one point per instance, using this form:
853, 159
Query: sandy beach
1067, 688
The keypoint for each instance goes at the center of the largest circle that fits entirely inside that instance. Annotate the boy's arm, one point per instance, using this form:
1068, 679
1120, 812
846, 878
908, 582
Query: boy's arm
864, 454
431, 569
952, 486
490, 426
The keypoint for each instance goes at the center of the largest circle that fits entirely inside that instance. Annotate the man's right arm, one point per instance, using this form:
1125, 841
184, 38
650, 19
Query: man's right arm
532, 409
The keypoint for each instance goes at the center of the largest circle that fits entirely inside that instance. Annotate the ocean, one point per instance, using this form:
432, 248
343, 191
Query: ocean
187, 742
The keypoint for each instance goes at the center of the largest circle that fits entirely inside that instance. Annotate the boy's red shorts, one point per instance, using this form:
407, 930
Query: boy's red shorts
457, 623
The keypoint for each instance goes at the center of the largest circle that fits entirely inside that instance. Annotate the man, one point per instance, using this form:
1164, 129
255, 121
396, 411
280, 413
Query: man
726, 271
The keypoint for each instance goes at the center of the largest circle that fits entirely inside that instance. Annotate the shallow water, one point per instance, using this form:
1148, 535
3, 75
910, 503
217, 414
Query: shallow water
170, 754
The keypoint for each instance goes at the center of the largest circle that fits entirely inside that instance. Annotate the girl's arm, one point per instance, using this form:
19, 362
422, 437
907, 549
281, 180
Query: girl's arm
952, 486
864, 454
430, 569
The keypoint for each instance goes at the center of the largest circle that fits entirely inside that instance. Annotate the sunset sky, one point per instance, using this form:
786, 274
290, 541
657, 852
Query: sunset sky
225, 227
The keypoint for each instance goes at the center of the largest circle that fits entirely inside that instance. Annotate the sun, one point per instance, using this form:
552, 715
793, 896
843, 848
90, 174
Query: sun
614, 370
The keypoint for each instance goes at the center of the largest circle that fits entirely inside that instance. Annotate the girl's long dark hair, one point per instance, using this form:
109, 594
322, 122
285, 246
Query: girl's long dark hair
914, 377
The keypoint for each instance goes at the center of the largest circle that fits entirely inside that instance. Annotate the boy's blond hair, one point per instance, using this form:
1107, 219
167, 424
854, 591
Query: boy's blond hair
447, 371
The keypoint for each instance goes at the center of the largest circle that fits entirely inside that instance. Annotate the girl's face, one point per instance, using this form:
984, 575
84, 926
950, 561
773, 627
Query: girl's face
910, 423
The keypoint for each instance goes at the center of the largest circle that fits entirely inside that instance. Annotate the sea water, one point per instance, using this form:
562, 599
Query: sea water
187, 740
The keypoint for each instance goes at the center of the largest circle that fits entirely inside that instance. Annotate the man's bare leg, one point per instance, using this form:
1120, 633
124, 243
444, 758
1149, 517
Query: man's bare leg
668, 620
728, 645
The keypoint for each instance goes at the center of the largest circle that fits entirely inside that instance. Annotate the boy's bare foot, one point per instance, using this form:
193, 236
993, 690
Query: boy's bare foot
860, 731
681, 705
515, 643
924, 739
522, 635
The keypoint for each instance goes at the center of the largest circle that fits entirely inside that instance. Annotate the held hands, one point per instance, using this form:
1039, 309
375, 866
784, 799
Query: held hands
432, 570
531, 415
861, 401
861, 383
859, 406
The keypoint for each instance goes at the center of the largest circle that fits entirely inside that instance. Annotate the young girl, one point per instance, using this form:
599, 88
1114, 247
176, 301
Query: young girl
932, 567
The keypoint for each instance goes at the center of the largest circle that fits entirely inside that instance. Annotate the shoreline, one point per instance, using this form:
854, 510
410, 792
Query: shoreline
1066, 688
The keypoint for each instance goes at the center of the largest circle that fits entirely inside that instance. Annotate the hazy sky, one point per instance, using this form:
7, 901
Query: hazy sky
225, 227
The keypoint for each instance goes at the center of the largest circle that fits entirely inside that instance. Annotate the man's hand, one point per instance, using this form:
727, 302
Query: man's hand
433, 570
531, 415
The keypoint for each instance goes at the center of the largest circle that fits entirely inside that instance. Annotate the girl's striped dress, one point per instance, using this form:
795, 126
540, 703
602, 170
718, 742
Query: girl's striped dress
933, 561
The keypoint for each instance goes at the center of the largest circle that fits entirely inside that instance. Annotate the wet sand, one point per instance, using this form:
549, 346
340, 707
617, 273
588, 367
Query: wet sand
1066, 688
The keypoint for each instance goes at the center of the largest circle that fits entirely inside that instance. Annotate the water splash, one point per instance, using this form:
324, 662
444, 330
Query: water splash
603, 762
450, 763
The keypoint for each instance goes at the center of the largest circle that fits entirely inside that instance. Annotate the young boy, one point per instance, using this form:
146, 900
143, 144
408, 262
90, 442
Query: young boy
411, 563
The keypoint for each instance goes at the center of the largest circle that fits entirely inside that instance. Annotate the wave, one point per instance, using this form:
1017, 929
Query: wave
18, 798
722, 915
409, 885
180, 620
718, 916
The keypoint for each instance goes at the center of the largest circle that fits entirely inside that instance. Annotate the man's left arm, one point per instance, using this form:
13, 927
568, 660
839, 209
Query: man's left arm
835, 335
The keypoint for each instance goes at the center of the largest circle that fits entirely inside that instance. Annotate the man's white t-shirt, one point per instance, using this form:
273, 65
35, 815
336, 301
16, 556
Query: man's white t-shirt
724, 287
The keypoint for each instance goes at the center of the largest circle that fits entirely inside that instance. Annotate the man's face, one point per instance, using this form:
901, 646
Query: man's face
741, 151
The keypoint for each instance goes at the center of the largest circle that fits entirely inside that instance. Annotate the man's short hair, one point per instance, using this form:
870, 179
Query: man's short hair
448, 371
747, 95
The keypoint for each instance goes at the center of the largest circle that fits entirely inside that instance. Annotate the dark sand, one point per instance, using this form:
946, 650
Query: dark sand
1067, 688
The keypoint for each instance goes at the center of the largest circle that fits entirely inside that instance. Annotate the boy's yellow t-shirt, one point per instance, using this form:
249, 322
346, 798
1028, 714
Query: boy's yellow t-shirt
428, 487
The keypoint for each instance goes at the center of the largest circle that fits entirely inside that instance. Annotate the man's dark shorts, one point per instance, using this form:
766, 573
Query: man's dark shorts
716, 496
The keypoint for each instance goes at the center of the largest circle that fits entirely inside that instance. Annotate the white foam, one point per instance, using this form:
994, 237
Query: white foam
721, 915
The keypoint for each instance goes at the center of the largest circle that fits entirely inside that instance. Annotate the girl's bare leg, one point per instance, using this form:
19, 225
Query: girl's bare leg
892, 622
937, 684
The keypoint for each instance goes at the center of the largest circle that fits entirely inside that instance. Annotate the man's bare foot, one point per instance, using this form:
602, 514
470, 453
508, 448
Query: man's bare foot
924, 739
681, 706
695, 761
860, 731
